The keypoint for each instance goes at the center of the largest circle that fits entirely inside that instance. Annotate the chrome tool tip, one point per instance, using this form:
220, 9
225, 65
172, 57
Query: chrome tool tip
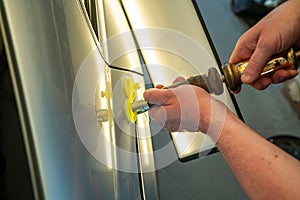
140, 106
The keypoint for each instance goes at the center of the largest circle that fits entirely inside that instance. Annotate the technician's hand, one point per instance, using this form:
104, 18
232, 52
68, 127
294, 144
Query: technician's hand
275, 33
178, 109
185, 108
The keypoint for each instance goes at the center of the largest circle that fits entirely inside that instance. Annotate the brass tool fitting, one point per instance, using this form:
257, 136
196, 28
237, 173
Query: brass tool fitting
233, 72
212, 82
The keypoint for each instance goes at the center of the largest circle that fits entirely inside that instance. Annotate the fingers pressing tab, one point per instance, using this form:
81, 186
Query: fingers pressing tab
158, 96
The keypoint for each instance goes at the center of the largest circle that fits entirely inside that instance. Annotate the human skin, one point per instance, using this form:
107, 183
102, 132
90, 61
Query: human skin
262, 169
275, 33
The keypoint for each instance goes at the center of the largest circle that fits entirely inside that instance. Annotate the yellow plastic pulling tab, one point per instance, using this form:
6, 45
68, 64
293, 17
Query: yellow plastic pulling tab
130, 92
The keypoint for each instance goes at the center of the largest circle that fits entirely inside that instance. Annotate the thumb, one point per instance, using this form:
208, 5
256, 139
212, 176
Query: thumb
255, 65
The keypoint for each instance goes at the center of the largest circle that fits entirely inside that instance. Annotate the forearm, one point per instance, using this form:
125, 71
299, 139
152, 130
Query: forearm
263, 170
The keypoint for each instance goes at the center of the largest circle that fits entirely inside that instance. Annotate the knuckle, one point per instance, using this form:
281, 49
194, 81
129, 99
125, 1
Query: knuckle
168, 94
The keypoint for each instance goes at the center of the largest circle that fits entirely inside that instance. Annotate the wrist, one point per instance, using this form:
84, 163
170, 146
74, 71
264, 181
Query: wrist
218, 119
233, 126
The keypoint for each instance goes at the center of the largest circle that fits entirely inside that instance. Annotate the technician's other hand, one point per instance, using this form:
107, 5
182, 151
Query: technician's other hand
275, 33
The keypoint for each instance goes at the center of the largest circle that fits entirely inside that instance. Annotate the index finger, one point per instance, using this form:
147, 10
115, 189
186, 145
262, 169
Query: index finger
158, 96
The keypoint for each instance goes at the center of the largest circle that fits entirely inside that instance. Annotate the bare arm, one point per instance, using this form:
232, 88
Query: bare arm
263, 170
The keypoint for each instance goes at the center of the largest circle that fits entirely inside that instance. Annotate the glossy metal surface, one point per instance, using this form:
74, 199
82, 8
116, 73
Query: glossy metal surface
181, 17
49, 42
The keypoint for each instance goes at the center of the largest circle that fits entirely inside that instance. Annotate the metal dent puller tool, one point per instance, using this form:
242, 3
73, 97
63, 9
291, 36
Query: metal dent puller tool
212, 81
